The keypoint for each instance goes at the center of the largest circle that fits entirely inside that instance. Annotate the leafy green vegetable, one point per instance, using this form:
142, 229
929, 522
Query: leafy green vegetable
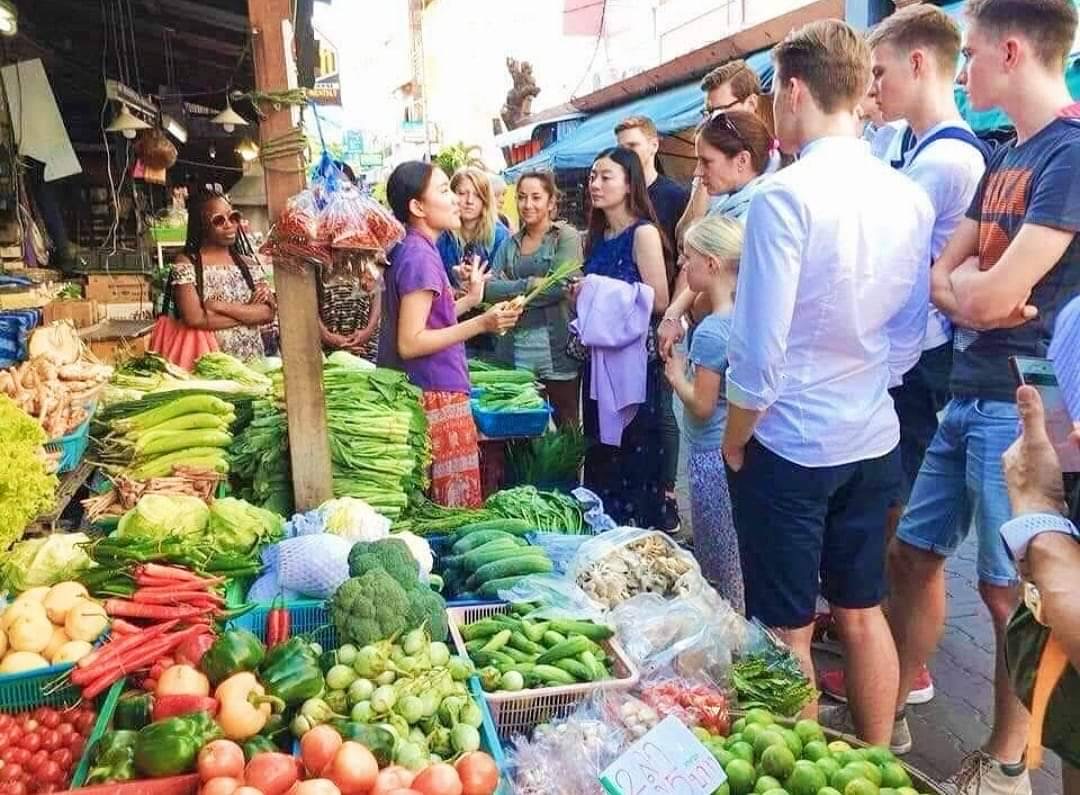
239, 526
43, 561
548, 511
26, 488
555, 457
771, 679
217, 365
158, 516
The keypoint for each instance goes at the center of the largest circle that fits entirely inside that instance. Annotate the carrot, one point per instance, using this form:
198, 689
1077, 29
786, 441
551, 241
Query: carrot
176, 597
126, 609
145, 654
171, 573
120, 627
114, 647
145, 580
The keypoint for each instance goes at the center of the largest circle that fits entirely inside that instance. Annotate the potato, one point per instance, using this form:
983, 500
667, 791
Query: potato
71, 652
3, 643
58, 639
60, 599
30, 633
86, 620
19, 661
17, 610
33, 595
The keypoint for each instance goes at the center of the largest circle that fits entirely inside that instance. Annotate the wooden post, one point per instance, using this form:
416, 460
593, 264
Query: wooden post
301, 350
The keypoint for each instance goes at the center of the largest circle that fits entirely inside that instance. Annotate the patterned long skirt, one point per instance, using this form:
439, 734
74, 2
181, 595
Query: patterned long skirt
455, 454
716, 546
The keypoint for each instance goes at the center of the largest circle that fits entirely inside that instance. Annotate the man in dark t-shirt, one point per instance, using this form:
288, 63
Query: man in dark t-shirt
669, 200
1008, 270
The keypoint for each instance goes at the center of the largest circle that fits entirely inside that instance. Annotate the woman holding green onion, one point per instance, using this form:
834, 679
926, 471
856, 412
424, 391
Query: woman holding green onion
421, 334
538, 342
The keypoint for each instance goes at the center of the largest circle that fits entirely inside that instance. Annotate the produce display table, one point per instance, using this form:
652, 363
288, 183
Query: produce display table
107, 337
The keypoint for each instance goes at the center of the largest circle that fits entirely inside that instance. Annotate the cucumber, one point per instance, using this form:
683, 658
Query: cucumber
568, 648
578, 670
529, 563
484, 628
493, 551
552, 638
534, 631
587, 628
588, 659
550, 676
491, 588
506, 545
498, 640
518, 655
481, 537
517, 527
522, 643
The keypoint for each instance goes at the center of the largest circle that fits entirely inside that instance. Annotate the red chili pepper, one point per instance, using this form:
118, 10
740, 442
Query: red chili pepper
277, 623
171, 706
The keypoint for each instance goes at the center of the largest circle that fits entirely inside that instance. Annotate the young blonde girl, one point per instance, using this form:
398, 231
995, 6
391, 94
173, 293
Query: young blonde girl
712, 247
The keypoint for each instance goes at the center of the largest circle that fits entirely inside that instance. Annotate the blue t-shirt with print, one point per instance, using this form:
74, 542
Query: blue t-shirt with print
1031, 183
709, 349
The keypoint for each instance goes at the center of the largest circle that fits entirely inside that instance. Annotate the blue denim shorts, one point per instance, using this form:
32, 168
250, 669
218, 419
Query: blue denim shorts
962, 480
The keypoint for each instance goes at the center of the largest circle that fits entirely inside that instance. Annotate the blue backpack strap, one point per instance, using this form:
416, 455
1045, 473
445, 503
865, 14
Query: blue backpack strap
906, 143
954, 134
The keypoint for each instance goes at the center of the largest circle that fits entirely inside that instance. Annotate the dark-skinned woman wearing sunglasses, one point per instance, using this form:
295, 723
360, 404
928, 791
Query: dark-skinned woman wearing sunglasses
733, 150
217, 283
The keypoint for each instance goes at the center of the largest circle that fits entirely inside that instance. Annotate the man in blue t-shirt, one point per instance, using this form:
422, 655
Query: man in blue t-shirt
669, 200
1009, 268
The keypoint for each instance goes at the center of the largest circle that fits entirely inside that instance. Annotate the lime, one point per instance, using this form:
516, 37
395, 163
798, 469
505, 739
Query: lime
879, 755
701, 734
738, 726
848, 757
777, 791
908, 791
723, 789
766, 739
829, 766
809, 730
871, 772
806, 779
766, 783
721, 755
753, 731
894, 775
860, 786
815, 750
825, 791
740, 774
836, 746
845, 776
760, 716
730, 741
742, 750
778, 761
794, 742
888, 791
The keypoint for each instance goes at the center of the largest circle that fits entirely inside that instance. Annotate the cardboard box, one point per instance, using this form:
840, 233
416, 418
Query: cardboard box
80, 312
125, 288
136, 310
108, 350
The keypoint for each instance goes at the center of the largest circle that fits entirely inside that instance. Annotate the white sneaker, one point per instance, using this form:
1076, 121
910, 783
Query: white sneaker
838, 718
982, 774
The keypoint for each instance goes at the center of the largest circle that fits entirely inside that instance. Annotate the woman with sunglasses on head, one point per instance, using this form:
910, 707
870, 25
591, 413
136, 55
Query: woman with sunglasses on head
733, 151
624, 244
421, 334
538, 343
217, 283
481, 233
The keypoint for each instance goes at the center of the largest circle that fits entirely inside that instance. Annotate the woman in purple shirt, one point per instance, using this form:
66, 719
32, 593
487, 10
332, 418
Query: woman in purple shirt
421, 334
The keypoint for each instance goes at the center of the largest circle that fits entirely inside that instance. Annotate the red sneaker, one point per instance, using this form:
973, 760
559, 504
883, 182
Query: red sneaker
922, 690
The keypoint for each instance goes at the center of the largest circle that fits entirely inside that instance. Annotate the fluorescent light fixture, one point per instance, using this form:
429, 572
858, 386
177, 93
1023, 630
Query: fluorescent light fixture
248, 150
229, 118
174, 128
9, 18
126, 123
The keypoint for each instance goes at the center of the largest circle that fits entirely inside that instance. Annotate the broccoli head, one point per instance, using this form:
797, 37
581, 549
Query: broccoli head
370, 608
427, 608
389, 554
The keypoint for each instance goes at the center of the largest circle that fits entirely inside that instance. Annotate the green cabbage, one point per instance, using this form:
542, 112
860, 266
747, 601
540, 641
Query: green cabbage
43, 561
238, 526
158, 516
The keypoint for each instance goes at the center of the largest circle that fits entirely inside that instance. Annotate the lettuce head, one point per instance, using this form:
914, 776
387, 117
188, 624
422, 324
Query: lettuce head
158, 516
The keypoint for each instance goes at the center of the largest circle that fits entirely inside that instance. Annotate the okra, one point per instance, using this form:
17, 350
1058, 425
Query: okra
568, 648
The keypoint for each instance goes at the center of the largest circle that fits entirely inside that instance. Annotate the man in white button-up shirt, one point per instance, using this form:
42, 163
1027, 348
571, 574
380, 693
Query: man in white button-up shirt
830, 312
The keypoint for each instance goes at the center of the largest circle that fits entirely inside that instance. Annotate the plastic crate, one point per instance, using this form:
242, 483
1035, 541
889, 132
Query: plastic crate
101, 726
511, 424
520, 712
172, 785
306, 617
71, 447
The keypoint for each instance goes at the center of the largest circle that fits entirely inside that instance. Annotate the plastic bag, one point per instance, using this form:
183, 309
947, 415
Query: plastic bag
592, 508
694, 701
558, 597
620, 564
314, 565
343, 223
560, 548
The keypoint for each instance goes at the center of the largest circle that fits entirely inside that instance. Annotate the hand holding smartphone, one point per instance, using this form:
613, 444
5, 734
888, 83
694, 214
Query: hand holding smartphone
1039, 373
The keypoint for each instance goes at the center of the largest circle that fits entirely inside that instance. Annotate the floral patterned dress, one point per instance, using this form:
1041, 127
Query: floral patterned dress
225, 283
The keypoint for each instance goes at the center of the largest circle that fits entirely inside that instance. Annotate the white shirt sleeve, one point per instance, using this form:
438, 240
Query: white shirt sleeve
907, 328
771, 263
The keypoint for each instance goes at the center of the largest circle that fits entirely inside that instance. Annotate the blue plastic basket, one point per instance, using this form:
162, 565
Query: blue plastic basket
71, 447
440, 546
307, 617
511, 424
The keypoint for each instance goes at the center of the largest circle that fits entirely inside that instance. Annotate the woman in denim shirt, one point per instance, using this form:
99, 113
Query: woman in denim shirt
538, 343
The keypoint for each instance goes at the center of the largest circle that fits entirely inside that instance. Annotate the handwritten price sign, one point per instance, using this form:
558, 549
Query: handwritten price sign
669, 760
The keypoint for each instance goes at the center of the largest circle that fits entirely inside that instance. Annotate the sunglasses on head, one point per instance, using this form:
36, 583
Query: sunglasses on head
220, 219
721, 119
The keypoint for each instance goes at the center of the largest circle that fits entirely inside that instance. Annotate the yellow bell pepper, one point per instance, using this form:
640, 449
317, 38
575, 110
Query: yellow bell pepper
244, 706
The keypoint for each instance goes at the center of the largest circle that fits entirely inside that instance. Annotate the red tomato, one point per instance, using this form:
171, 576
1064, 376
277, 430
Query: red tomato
31, 742
85, 722
22, 756
9, 753
15, 788
14, 732
37, 761
51, 773
76, 745
12, 772
51, 740
63, 757
5, 721
28, 724
65, 730
50, 719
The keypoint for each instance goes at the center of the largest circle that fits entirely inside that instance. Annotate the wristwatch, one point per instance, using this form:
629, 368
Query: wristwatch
1018, 532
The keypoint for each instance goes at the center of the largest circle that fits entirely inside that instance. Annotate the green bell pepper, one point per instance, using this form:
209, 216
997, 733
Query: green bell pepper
257, 745
291, 672
114, 758
234, 651
171, 747
276, 729
377, 739
133, 710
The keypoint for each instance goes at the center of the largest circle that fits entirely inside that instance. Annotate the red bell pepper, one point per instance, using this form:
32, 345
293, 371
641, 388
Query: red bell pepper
171, 706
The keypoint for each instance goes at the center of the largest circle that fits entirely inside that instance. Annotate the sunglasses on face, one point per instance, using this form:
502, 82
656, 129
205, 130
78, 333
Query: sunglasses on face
707, 113
219, 220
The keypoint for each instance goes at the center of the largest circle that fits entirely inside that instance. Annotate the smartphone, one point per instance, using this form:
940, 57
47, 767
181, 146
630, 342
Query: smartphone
1039, 373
